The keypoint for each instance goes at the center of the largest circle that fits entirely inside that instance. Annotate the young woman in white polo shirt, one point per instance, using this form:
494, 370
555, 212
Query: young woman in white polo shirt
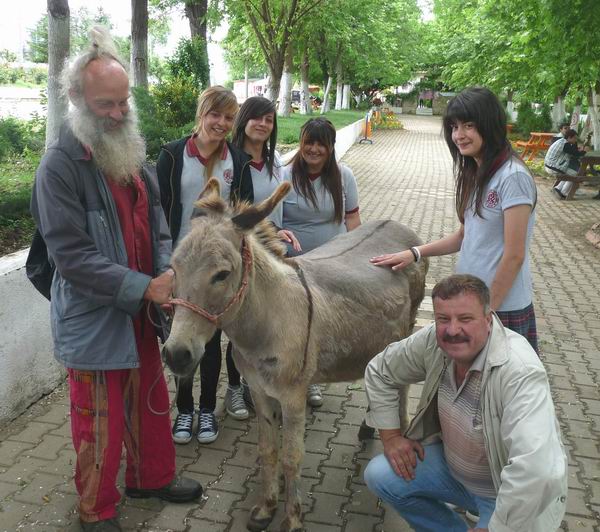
495, 202
323, 201
183, 168
255, 132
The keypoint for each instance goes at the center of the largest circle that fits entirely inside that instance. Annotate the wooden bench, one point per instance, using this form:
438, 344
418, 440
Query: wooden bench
585, 173
537, 142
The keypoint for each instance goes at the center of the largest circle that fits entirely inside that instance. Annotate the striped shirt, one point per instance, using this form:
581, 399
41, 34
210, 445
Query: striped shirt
462, 429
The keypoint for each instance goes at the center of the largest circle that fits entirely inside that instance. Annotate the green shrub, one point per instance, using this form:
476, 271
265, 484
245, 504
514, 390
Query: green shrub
12, 137
529, 120
190, 61
18, 137
160, 120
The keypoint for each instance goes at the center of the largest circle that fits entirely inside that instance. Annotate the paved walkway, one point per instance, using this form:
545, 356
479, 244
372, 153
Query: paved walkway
406, 176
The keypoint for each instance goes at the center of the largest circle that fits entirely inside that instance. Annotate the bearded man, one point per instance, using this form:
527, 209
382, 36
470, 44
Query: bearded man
98, 210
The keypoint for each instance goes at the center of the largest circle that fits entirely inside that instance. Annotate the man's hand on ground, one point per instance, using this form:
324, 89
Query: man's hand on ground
160, 288
401, 452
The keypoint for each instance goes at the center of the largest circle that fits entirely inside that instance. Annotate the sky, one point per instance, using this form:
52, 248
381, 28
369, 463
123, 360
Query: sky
20, 16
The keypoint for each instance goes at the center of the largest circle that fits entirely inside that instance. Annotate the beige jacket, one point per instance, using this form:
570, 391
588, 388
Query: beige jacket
522, 435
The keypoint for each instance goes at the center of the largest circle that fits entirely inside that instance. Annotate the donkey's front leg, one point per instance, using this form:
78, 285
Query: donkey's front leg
293, 413
267, 414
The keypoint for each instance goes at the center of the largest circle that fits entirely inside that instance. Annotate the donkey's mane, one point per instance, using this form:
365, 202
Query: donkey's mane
264, 231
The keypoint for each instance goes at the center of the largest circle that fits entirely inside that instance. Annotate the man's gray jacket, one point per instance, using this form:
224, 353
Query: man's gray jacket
521, 433
94, 293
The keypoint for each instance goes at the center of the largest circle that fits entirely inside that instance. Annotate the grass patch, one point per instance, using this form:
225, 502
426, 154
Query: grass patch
16, 225
288, 129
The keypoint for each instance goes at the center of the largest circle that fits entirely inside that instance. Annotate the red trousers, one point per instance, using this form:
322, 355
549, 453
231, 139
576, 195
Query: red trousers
115, 407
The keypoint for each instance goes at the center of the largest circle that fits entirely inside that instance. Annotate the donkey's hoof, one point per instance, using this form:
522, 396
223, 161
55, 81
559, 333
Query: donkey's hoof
365, 432
258, 521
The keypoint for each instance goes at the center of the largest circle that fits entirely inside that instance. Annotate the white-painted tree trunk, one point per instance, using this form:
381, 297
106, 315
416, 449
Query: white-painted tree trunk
558, 111
594, 112
267, 93
576, 115
285, 95
346, 97
510, 109
58, 52
339, 91
305, 103
325, 104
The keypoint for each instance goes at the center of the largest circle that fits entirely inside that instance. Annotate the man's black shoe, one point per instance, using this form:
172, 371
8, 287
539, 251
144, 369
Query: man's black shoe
106, 525
597, 196
180, 489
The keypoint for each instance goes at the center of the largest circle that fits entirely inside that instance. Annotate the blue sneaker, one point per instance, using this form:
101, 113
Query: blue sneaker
208, 428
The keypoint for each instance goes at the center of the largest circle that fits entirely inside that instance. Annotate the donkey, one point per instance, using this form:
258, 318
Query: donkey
313, 319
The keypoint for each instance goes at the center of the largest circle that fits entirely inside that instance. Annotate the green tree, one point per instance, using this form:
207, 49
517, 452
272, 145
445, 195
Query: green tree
80, 24
37, 49
274, 23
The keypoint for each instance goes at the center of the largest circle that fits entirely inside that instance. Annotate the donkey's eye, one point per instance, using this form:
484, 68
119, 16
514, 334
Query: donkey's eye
220, 276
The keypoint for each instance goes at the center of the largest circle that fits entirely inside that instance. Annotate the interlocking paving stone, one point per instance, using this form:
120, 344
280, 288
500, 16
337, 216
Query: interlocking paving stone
406, 176
10, 450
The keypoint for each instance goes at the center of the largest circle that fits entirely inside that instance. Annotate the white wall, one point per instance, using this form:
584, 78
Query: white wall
28, 368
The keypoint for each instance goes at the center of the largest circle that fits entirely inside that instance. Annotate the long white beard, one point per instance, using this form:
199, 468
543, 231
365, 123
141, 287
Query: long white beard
120, 152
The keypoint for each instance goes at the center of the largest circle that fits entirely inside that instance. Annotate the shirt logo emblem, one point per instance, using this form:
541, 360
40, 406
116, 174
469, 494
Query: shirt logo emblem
492, 199
228, 176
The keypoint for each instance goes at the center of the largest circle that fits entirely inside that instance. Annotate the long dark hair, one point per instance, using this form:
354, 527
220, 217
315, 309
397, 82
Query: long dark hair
255, 107
322, 131
480, 106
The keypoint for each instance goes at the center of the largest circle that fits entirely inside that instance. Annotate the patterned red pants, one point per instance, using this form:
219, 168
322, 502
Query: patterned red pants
115, 407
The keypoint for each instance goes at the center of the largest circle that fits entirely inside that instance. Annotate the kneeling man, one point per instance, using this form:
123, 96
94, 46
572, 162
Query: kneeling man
485, 436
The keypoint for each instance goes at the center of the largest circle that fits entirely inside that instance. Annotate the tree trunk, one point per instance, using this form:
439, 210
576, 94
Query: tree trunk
339, 84
325, 104
273, 86
510, 106
285, 94
594, 112
558, 111
58, 52
139, 42
275, 74
195, 11
305, 104
576, 114
246, 82
346, 97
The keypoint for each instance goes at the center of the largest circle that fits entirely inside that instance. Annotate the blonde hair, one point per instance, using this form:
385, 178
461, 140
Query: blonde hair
222, 100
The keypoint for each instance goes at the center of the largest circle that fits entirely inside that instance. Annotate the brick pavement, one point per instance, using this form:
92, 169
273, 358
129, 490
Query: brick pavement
406, 176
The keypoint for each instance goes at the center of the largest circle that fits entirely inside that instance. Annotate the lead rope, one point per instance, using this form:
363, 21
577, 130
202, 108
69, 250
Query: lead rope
163, 367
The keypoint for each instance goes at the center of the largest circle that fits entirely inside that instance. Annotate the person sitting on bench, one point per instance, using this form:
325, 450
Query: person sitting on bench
563, 157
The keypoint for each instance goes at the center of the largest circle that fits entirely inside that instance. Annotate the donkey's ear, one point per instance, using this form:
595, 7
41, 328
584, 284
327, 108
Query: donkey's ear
253, 214
212, 188
209, 200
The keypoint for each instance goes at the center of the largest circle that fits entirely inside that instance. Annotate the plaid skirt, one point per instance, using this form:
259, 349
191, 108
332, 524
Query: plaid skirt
522, 322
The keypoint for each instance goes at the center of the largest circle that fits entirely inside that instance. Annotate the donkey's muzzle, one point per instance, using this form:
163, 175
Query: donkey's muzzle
180, 361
